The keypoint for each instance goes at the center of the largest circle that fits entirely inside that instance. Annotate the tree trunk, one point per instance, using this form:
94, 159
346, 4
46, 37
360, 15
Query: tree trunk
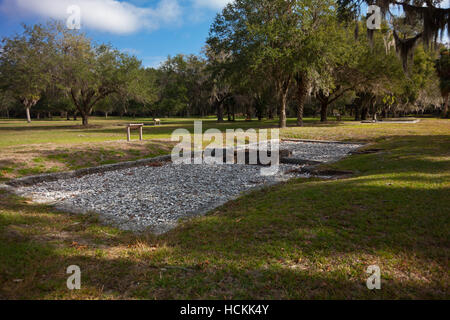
323, 111
283, 111
248, 113
85, 119
445, 113
219, 111
28, 114
259, 112
302, 91
270, 113
364, 113
374, 116
357, 113
283, 91
228, 111
106, 115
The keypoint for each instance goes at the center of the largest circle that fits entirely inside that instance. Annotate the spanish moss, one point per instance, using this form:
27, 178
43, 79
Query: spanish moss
405, 48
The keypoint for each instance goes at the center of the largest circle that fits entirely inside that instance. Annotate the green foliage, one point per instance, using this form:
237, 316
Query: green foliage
174, 91
276, 40
443, 69
25, 64
57, 63
183, 85
262, 56
90, 73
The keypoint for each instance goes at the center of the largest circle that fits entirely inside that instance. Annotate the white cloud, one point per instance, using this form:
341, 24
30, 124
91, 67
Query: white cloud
153, 61
103, 15
211, 4
131, 51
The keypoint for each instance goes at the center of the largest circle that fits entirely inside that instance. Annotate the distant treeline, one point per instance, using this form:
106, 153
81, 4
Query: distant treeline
262, 59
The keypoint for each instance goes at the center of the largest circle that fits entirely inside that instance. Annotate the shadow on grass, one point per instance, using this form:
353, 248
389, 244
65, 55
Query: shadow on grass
34, 267
166, 124
302, 239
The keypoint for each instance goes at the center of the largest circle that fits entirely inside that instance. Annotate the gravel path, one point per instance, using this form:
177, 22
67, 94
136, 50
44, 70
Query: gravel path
156, 197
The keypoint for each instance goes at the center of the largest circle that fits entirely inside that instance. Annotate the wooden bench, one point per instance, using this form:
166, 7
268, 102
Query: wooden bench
157, 122
135, 126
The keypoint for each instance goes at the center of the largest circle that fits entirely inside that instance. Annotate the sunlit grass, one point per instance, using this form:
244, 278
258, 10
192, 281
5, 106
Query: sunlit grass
308, 238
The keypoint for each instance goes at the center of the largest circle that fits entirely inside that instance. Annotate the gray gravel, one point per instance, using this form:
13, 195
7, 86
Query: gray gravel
157, 197
322, 152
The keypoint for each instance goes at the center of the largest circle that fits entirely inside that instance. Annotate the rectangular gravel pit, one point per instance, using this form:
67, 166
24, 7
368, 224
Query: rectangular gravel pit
156, 197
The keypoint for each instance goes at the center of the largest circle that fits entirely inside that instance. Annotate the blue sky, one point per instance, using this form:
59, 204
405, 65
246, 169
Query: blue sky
149, 29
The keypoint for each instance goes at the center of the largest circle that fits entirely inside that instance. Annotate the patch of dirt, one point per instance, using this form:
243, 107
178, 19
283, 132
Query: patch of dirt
13, 234
332, 173
366, 151
323, 172
156, 164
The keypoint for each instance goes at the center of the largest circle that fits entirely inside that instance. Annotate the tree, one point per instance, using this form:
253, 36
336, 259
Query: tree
90, 73
7, 101
139, 94
319, 47
443, 70
375, 73
342, 60
220, 72
146, 89
25, 65
197, 79
433, 20
54, 63
257, 35
174, 93
292, 41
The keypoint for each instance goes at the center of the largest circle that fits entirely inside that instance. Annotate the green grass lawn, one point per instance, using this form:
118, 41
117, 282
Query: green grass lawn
302, 239
49, 146
15, 133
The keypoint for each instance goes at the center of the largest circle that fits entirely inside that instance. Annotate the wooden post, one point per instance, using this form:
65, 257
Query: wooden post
135, 126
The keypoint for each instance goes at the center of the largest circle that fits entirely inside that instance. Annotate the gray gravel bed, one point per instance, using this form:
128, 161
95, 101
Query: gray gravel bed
318, 151
156, 198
